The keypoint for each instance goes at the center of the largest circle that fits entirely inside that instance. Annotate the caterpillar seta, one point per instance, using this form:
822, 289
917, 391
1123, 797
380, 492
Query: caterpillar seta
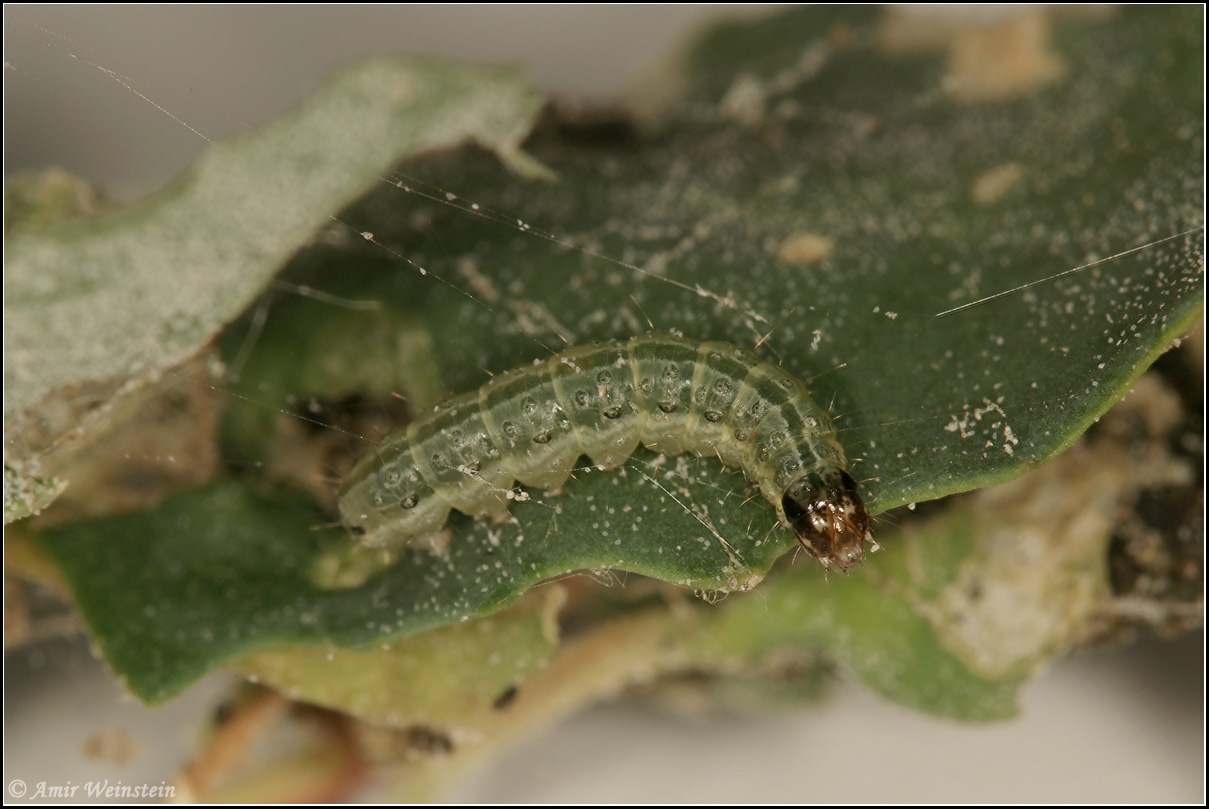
672, 394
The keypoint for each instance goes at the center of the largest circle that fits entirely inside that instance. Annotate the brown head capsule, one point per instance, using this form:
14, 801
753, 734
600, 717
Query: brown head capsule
828, 517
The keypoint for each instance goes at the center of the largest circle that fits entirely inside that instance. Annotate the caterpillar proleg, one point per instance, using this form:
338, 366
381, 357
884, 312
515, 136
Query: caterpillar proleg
672, 394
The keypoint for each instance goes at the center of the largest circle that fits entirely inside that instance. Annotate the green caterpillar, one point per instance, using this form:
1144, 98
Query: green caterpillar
602, 399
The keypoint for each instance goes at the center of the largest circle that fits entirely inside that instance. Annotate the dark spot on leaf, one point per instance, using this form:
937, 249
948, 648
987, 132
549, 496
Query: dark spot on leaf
506, 698
429, 740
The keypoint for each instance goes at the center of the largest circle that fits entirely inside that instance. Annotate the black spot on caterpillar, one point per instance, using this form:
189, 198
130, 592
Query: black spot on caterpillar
602, 399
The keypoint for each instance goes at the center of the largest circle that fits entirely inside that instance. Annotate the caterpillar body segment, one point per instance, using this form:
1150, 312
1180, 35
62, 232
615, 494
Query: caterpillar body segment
671, 394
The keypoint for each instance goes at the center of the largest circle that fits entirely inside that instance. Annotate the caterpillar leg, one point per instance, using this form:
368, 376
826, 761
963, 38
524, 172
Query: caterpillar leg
435, 541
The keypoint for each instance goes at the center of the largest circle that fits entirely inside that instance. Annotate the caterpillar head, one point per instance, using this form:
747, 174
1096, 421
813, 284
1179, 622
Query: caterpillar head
828, 517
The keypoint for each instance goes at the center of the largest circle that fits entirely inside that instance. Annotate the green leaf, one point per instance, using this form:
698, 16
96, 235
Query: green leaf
869, 159
832, 230
94, 310
825, 203
219, 570
445, 678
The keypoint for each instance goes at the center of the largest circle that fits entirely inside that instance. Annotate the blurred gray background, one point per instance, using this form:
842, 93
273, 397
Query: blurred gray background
222, 69
115, 93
